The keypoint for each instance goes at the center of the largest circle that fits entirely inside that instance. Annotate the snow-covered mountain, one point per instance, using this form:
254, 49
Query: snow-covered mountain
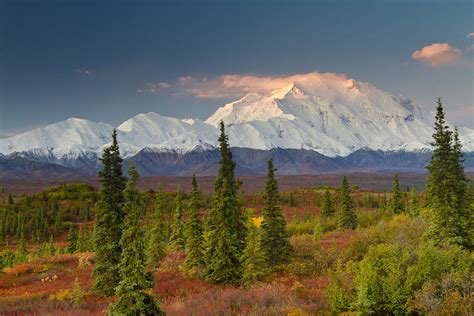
325, 113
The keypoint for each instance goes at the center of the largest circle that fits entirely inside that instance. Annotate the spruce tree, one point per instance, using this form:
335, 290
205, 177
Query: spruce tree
58, 223
276, 246
193, 232
451, 220
414, 203
253, 260
132, 298
108, 221
72, 239
347, 217
327, 209
225, 225
396, 202
21, 253
177, 241
156, 243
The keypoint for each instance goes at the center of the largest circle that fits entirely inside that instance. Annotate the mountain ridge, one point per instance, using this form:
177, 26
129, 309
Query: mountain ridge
326, 113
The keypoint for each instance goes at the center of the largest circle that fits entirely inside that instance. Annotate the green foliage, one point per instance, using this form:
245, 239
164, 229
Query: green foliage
21, 253
414, 204
380, 278
134, 280
85, 240
276, 246
225, 226
451, 221
108, 221
156, 241
177, 226
339, 292
193, 232
347, 217
396, 203
327, 209
390, 269
77, 294
72, 239
253, 260
7, 259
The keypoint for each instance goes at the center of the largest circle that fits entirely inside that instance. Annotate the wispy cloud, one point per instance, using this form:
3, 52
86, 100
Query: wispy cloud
470, 34
232, 85
437, 54
82, 71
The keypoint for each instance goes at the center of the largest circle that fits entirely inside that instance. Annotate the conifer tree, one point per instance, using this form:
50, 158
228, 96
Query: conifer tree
193, 232
156, 243
81, 245
396, 202
276, 246
451, 220
327, 209
58, 223
72, 239
347, 217
108, 221
51, 248
414, 203
132, 298
225, 225
253, 260
21, 253
177, 241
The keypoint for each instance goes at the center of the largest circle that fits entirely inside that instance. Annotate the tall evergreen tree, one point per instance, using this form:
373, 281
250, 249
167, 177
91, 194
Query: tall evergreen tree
347, 216
156, 244
58, 223
21, 253
132, 298
276, 246
193, 232
414, 203
72, 239
108, 221
451, 220
254, 263
177, 227
225, 226
327, 209
396, 201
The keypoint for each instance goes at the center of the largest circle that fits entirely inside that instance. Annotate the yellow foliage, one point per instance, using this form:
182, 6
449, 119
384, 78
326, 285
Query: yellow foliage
257, 221
296, 312
60, 296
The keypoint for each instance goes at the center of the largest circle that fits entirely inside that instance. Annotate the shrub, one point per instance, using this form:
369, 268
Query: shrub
340, 292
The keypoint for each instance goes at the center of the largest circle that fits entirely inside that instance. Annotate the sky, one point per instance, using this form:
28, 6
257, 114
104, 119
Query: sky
110, 60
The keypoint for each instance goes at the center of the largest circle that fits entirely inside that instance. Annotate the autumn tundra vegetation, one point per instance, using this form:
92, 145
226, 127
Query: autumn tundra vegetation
78, 250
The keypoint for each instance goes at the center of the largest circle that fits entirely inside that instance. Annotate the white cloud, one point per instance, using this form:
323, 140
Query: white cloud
470, 34
83, 71
232, 85
164, 85
437, 54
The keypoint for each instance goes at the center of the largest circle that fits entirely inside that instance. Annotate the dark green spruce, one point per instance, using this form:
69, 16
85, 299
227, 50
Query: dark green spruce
347, 217
177, 241
108, 221
225, 226
132, 298
451, 220
193, 231
275, 242
396, 202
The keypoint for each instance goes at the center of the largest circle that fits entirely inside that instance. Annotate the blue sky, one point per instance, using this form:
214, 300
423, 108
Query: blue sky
105, 60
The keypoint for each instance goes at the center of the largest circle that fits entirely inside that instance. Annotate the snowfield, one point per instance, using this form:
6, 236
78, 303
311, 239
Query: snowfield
326, 113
